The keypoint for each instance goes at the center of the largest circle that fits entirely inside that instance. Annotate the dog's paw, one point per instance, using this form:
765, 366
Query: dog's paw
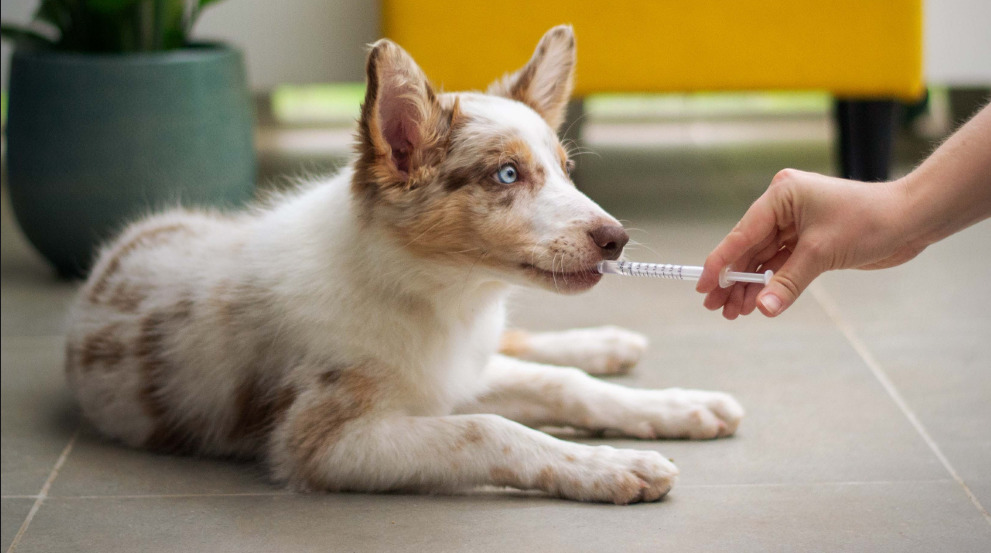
610, 475
606, 350
674, 413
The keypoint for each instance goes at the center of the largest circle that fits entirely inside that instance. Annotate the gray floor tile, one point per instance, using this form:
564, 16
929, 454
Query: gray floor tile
924, 517
14, 511
38, 416
35, 304
943, 374
100, 467
814, 412
927, 324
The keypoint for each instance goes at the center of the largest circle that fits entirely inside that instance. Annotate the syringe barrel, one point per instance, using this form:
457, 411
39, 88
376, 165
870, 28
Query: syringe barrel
655, 270
678, 272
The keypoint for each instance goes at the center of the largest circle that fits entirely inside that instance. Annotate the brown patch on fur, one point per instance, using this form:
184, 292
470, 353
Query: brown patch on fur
562, 156
127, 297
168, 435
237, 305
546, 480
472, 435
514, 343
259, 409
103, 348
319, 425
567, 165
569, 458
502, 476
145, 238
330, 377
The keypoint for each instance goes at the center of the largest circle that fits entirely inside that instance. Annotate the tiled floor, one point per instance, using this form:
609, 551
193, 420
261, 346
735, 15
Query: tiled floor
868, 428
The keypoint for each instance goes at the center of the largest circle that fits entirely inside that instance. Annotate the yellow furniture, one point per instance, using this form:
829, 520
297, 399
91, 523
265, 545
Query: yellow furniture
859, 49
863, 48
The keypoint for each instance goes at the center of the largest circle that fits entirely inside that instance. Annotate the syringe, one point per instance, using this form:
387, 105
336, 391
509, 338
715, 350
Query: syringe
678, 272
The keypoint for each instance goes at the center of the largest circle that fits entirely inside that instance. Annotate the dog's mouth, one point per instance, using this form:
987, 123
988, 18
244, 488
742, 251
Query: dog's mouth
564, 281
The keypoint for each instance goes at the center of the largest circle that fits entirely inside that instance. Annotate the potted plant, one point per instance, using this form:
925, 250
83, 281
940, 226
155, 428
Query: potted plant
112, 113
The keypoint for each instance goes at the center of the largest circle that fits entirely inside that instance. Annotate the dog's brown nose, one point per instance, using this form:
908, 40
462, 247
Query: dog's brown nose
610, 239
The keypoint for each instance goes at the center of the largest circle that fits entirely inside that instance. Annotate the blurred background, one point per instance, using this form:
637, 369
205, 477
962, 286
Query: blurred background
651, 152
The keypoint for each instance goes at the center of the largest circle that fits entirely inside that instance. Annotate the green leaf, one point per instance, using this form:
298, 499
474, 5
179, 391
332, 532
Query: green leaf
22, 37
110, 6
115, 25
55, 12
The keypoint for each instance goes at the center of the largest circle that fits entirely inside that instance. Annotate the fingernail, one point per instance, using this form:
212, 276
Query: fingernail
771, 303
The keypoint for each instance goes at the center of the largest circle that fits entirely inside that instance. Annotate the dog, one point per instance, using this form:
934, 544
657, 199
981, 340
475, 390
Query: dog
351, 334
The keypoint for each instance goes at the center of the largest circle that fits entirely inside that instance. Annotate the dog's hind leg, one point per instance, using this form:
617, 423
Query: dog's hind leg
542, 395
338, 438
605, 350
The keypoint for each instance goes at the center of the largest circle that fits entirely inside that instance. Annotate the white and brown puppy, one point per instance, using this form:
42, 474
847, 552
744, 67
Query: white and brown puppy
349, 334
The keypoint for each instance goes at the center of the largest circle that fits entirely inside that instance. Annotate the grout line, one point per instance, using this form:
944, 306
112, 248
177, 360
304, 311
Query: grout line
44, 492
832, 309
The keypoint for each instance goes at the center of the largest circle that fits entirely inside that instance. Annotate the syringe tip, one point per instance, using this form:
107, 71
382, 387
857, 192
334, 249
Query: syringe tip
607, 268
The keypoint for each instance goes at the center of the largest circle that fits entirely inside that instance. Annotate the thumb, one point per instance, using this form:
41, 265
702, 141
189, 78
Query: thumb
789, 282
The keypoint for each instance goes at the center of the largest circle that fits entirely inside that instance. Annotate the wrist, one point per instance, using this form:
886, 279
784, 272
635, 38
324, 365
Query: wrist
916, 218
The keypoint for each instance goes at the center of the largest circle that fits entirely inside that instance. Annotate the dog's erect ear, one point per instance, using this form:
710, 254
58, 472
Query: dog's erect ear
545, 82
400, 118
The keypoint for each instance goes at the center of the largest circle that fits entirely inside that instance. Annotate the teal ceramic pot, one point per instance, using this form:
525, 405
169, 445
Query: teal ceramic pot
96, 140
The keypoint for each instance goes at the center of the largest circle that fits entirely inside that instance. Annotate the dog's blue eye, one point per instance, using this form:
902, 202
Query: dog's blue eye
507, 174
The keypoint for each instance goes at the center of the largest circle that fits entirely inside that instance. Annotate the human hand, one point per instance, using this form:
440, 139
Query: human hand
803, 225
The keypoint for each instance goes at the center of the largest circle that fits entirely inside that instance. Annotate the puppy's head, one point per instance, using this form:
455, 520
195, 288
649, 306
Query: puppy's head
481, 181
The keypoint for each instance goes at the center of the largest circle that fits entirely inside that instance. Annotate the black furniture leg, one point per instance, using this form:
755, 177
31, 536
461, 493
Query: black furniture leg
864, 133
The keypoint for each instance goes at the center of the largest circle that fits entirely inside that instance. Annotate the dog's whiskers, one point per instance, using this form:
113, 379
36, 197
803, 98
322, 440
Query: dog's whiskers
635, 244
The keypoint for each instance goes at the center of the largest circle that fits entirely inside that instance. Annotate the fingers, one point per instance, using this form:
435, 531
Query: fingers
753, 290
798, 271
734, 300
756, 229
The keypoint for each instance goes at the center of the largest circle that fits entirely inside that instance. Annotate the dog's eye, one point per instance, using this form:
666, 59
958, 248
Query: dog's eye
569, 166
507, 174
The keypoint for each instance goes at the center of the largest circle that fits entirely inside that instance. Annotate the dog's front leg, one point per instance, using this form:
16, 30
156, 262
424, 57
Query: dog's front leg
544, 395
604, 350
328, 441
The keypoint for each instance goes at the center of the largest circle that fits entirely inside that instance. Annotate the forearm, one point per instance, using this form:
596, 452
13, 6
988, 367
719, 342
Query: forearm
951, 190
